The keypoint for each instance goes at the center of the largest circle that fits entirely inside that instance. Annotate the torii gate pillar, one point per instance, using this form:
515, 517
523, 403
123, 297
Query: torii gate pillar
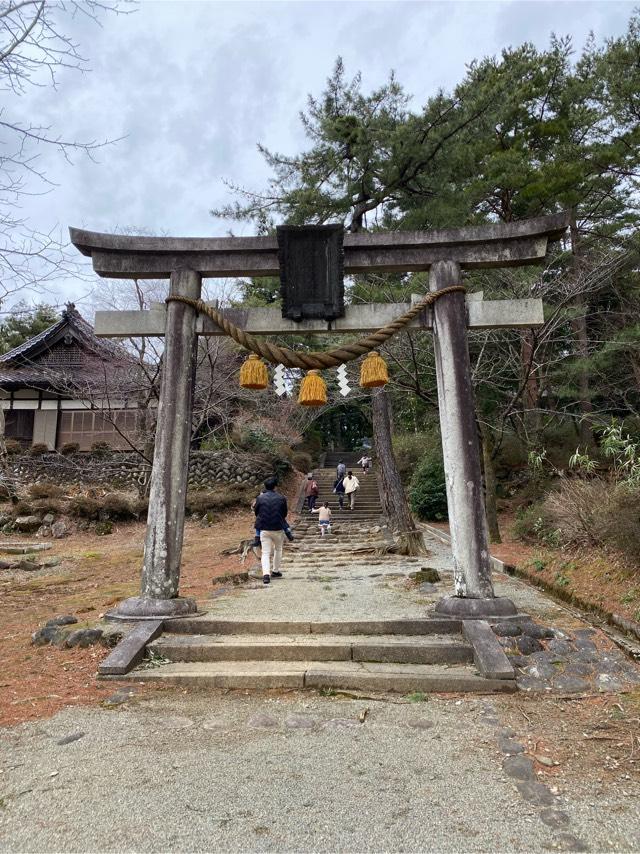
474, 594
168, 490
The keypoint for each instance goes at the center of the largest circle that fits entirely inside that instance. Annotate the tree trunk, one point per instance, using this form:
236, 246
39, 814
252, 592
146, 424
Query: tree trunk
579, 327
491, 507
531, 392
394, 500
5, 472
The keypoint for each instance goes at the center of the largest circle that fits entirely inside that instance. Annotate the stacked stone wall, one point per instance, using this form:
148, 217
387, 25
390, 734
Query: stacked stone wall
126, 470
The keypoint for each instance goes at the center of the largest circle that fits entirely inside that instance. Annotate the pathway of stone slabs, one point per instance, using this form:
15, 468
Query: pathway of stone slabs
301, 771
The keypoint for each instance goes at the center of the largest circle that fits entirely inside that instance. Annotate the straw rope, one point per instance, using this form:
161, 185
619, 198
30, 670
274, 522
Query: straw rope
319, 359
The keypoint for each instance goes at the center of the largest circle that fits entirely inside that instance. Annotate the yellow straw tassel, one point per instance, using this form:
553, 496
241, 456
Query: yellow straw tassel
313, 390
374, 372
253, 373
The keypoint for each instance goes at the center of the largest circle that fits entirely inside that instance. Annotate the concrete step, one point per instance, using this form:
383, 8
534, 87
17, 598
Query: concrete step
208, 625
336, 675
405, 649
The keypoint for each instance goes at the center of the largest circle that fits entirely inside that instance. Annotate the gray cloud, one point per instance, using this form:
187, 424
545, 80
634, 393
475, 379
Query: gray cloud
192, 87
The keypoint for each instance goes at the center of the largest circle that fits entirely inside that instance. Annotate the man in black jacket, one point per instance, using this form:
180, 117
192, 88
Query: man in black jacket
271, 518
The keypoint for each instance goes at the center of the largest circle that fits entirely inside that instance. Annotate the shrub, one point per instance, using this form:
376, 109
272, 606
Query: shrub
302, 461
411, 448
48, 505
84, 507
257, 440
100, 448
69, 448
23, 508
428, 491
221, 498
13, 447
534, 523
597, 513
45, 490
104, 528
118, 506
39, 449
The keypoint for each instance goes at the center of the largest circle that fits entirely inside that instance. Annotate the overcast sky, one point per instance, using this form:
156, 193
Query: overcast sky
192, 86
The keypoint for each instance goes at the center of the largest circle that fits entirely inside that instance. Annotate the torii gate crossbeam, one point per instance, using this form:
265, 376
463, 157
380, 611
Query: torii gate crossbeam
186, 261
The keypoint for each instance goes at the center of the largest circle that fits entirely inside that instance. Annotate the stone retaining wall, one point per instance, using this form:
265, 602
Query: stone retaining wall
125, 470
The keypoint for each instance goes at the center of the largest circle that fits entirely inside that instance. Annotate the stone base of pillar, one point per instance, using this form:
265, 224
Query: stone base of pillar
497, 607
141, 608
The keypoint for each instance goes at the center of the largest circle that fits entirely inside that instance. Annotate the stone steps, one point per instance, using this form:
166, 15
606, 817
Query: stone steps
327, 675
405, 649
209, 625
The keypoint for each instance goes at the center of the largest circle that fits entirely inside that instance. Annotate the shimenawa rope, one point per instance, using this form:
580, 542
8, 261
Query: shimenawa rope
319, 359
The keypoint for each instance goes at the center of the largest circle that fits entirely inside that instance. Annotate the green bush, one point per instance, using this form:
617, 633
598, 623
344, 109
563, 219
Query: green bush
13, 447
535, 524
69, 448
259, 441
428, 491
409, 449
104, 528
100, 448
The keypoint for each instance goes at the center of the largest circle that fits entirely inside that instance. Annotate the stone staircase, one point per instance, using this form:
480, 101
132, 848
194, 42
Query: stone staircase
402, 656
368, 507
341, 618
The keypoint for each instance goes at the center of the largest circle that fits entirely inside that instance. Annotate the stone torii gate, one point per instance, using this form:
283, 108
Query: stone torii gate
445, 253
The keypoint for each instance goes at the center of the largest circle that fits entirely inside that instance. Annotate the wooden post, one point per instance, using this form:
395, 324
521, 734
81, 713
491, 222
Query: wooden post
165, 521
467, 519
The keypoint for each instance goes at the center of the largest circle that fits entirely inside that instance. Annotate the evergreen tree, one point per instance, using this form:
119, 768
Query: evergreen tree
23, 323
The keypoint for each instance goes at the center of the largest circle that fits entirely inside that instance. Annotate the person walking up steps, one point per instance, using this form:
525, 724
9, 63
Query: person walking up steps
311, 492
365, 462
338, 488
341, 470
351, 486
324, 518
271, 520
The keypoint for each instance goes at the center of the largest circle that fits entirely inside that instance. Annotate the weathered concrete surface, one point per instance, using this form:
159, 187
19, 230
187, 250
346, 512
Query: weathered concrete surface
130, 650
165, 525
488, 655
365, 317
456, 406
492, 245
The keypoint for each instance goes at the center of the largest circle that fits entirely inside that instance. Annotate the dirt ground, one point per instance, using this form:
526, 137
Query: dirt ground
94, 574
592, 575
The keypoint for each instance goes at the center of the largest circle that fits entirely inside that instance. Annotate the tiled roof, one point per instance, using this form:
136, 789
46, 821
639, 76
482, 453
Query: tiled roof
71, 322
28, 365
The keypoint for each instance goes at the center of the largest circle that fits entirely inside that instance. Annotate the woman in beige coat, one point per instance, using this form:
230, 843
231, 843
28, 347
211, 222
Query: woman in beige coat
351, 486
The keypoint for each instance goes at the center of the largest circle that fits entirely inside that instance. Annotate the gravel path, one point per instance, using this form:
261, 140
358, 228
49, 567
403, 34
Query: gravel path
294, 773
301, 772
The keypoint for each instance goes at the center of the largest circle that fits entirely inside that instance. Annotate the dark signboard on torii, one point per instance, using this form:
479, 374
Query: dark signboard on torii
444, 252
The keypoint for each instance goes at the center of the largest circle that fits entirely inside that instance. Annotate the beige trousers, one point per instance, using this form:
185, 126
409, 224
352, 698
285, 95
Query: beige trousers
271, 542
